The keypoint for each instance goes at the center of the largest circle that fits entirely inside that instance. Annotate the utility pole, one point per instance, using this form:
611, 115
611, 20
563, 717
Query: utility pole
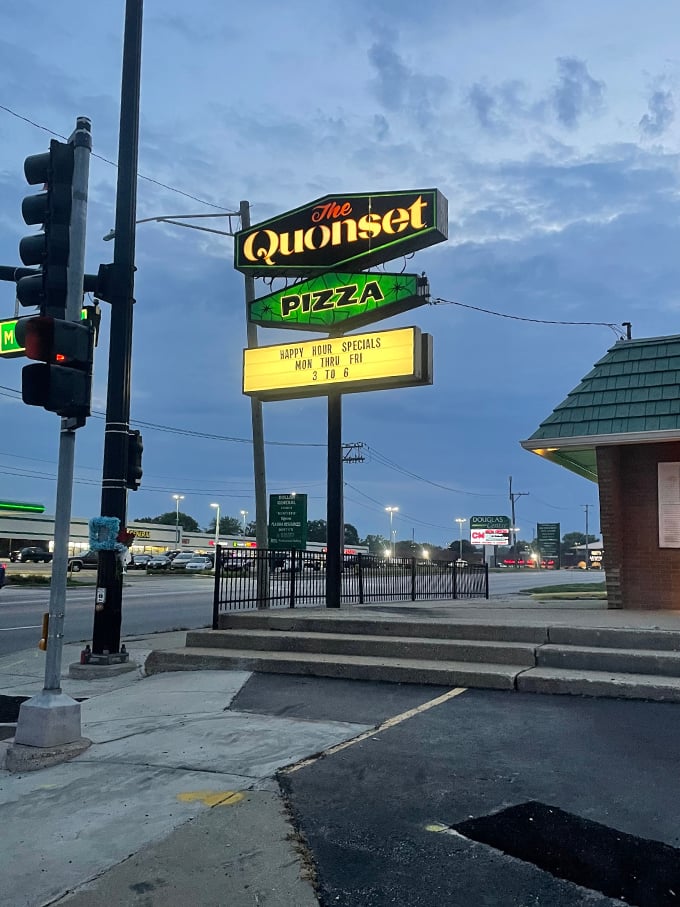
120, 293
587, 507
513, 498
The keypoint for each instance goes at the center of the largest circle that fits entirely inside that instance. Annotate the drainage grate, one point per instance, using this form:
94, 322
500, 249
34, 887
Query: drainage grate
635, 870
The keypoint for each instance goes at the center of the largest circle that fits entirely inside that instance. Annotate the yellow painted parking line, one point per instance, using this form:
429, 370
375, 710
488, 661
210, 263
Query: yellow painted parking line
211, 797
391, 722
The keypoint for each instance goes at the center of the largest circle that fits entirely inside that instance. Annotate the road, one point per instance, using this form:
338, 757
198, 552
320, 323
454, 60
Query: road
158, 603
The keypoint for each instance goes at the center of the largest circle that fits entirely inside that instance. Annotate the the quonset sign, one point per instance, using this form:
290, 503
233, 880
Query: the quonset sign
343, 233
349, 364
345, 300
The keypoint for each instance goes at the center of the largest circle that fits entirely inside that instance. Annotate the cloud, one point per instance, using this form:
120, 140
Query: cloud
661, 113
576, 92
402, 90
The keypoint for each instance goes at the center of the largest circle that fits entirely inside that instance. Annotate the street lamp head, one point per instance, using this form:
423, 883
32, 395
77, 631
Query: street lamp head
178, 497
109, 236
461, 520
215, 505
391, 509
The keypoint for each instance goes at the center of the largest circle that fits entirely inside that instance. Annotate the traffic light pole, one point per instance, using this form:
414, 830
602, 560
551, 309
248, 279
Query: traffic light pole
52, 718
109, 596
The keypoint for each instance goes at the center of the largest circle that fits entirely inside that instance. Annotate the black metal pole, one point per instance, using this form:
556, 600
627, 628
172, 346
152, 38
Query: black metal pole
108, 607
334, 516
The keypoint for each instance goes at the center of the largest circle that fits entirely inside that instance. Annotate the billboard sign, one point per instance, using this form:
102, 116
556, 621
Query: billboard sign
400, 357
490, 537
339, 300
288, 521
349, 232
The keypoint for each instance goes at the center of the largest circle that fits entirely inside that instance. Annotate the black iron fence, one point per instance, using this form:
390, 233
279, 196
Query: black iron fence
247, 578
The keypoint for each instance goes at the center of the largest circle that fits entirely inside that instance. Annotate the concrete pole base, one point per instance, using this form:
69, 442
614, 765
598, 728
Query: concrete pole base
49, 719
89, 671
20, 759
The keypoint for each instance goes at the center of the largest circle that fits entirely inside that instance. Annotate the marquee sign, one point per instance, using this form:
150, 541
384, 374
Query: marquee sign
356, 362
345, 300
343, 233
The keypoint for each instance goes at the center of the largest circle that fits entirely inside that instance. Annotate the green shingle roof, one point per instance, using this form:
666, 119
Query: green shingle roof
633, 389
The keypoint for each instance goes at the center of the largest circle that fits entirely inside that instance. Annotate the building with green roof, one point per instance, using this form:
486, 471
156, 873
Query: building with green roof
620, 427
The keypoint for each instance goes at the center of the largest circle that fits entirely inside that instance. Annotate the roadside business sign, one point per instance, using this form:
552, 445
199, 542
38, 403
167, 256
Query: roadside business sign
548, 540
346, 300
9, 348
349, 232
401, 357
490, 530
288, 521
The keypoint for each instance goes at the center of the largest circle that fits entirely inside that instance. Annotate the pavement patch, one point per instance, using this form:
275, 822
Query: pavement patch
635, 870
211, 797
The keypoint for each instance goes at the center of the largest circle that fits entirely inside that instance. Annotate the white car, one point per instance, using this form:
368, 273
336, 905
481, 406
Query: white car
199, 563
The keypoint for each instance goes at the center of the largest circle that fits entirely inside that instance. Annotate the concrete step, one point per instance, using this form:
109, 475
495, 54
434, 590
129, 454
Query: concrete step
401, 647
611, 684
616, 638
429, 628
599, 658
395, 670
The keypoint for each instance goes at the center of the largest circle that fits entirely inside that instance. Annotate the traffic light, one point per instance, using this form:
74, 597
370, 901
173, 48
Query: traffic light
50, 249
62, 383
134, 460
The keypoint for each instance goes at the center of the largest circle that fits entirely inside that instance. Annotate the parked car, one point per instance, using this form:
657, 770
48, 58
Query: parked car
159, 562
180, 560
199, 563
234, 563
86, 560
14, 555
171, 554
34, 554
140, 561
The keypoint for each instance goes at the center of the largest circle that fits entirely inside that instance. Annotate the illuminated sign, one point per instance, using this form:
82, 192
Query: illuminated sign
342, 233
22, 507
489, 522
349, 364
141, 533
489, 536
347, 300
8, 344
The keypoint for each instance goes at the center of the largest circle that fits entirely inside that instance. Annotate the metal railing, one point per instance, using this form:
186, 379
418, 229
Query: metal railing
249, 578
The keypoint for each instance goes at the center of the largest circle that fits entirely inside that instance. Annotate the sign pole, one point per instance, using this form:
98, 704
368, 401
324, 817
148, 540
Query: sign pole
334, 516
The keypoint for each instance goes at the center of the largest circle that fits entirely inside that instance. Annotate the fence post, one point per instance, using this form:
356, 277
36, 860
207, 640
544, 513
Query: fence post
216, 591
455, 580
413, 579
293, 565
486, 573
361, 578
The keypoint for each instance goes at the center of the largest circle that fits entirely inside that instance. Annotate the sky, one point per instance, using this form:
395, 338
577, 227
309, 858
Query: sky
550, 128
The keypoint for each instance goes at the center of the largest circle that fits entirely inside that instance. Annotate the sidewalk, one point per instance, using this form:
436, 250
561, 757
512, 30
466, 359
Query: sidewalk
175, 802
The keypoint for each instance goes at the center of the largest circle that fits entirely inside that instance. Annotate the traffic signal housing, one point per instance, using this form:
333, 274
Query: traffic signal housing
134, 460
49, 249
62, 382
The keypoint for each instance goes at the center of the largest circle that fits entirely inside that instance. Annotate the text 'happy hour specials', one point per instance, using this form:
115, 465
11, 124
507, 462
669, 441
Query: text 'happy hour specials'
355, 362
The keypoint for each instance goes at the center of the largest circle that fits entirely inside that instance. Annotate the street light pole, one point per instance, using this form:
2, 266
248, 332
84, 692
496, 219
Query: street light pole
178, 498
244, 514
460, 520
217, 525
391, 511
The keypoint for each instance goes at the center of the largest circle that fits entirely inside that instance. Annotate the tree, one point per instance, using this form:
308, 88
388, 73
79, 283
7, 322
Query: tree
316, 531
188, 523
229, 525
376, 544
251, 529
351, 535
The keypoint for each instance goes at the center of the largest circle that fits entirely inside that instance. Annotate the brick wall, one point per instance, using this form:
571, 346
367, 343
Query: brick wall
639, 573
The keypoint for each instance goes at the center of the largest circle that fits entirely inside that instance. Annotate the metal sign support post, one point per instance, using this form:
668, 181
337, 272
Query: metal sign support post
334, 510
259, 466
52, 718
